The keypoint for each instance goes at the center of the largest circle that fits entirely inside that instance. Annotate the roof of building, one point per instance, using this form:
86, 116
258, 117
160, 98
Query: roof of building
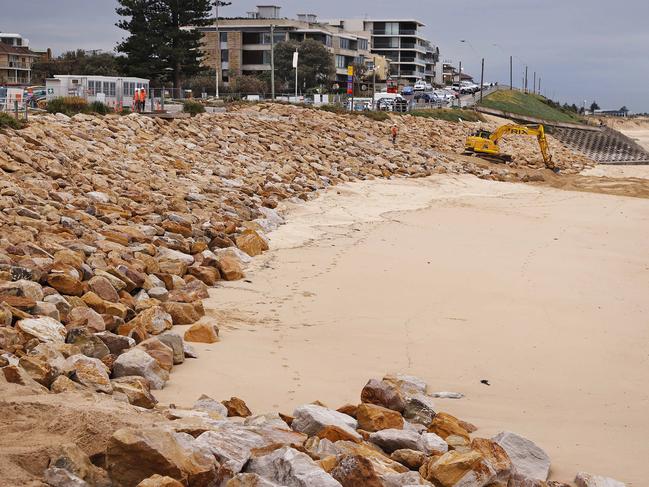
20, 50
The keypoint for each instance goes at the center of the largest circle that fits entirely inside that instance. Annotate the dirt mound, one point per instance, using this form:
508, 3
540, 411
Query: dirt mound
34, 425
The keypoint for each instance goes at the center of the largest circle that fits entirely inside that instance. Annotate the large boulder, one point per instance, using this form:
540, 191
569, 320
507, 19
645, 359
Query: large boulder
445, 425
528, 459
154, 320
289, 467
184, 313
116, 344
163, 354
375, 418
136, 454
137, 362
455, 469
356, 470
90, 372
311, 419
233, 444
495, 455
202, 333
230, 267
419, 409
136, 389
587, 480
44, 329
88, 343
383, 394
175, 342
251, 243
396, 439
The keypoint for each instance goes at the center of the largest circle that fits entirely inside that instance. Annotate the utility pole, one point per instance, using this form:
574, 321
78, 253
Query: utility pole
539, 85
534, 91
482, 80
217, 4
296, 55
272, 61
511, 72
525, 79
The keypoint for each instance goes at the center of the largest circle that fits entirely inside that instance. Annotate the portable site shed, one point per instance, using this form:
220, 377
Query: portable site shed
115, 92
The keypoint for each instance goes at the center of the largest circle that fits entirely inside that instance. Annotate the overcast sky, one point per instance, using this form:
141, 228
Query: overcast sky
582, 49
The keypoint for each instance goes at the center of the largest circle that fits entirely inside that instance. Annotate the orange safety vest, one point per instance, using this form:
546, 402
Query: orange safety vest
394, 131
143, 95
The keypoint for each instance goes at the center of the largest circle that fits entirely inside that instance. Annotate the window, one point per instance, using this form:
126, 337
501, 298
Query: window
129, 88
362, 44
252, 38
345, 44
392, 28
340, 62
223, 36
255, 57
265, 38
328, 40
91, 88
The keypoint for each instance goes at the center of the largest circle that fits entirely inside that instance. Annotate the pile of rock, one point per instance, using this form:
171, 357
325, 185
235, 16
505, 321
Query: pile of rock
394, 437
113, 228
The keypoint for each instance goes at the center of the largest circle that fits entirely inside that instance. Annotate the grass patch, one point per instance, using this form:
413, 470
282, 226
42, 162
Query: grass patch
71, 105
9, 121
339, 110
528, 105
449, 114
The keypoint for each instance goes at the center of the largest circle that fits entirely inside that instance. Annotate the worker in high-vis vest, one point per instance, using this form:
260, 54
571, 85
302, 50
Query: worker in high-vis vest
136, 101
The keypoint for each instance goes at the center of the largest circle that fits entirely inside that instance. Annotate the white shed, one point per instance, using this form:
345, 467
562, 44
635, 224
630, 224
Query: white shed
116, 92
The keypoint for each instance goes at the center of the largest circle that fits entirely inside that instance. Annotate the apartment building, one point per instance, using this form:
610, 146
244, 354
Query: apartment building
16, 60
412, 57
244, 45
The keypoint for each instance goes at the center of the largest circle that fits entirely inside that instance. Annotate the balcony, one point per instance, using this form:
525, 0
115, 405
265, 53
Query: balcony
14, 65
401, 32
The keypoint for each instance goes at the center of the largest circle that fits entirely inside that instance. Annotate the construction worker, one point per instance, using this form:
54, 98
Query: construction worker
136, 101
395, 133
143, 99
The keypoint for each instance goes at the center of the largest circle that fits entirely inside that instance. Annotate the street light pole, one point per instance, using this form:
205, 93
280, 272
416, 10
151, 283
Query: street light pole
511, 72
482, 80
217, 4
272, 61
525, 79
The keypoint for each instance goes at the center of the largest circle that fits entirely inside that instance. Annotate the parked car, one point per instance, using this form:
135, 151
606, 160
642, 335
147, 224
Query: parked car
425, 97
421, 85
407, 90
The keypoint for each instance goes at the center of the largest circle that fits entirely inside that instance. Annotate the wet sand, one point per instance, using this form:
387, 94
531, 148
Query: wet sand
543, 292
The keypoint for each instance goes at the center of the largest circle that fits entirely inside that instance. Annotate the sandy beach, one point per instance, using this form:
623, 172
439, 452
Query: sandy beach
539, 291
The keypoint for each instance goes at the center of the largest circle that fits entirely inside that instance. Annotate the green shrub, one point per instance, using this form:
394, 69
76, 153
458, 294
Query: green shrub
9, 121
332, 109
126, 111
68, 105
376, 116
99, 108
193, 107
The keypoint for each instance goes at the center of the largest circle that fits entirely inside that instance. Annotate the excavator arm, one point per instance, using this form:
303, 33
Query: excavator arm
538, 131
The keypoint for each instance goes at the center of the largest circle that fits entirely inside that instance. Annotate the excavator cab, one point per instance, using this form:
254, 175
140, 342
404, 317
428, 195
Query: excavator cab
480, 142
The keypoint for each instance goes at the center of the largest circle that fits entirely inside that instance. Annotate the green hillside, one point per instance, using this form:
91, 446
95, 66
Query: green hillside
528, 105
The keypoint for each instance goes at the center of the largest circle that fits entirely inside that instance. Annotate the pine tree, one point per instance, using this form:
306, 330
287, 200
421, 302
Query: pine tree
142, 47
164, 42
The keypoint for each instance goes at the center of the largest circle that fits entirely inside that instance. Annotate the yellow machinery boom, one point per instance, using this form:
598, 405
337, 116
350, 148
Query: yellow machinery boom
485, 143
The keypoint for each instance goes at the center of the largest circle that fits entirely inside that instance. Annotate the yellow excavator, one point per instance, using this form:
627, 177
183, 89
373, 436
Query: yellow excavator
485, 144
